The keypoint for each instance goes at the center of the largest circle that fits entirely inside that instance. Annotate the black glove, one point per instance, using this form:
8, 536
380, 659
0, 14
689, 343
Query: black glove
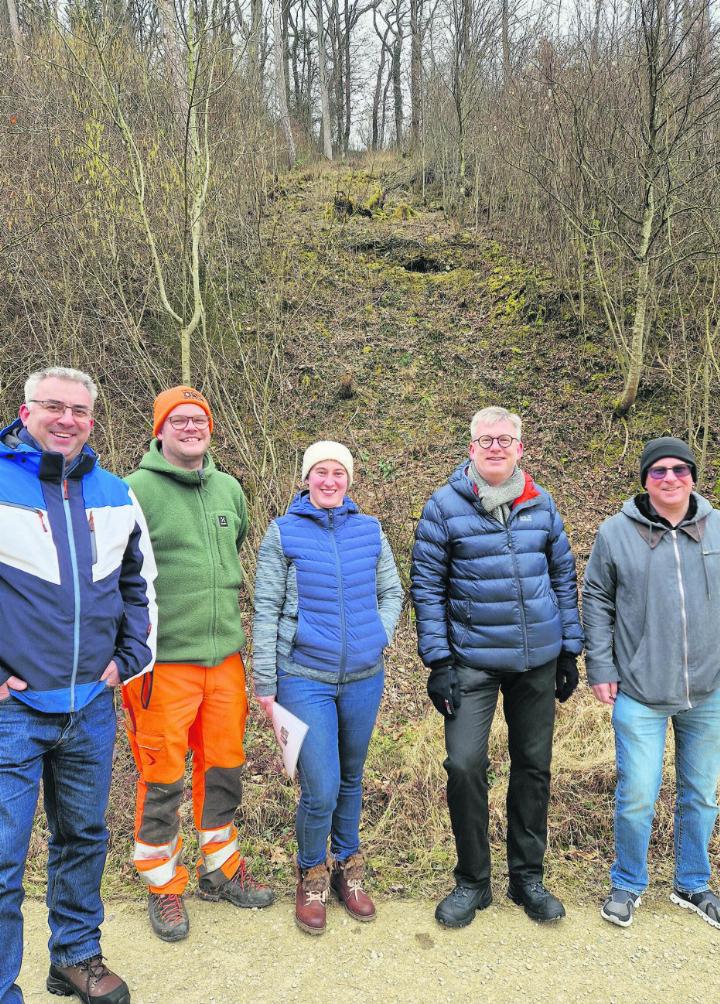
566, 676
443, 688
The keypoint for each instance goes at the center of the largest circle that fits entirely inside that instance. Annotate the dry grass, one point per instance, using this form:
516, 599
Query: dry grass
318, 300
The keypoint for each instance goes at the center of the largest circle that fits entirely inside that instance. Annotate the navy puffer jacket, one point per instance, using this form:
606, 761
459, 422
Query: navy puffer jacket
490, 596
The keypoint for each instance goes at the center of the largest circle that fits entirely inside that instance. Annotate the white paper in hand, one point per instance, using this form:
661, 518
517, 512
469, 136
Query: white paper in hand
290, 733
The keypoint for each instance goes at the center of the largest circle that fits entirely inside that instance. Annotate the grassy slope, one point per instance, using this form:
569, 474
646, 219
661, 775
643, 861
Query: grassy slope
394, 362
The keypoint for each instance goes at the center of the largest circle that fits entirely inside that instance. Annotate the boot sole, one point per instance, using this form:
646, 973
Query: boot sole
218, 897
355, 916
309, 930
61, 988
683, 904
172, 936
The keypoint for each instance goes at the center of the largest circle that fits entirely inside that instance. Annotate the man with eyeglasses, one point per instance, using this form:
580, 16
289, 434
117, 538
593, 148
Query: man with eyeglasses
495, 596
651, 609
77, 617
195, 699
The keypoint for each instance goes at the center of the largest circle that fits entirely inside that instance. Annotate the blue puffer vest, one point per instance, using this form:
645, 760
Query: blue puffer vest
335, 553
490, 596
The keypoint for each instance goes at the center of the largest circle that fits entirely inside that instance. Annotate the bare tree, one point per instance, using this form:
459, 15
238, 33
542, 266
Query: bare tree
280, 91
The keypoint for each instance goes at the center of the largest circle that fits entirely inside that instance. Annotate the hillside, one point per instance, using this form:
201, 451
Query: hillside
387, 330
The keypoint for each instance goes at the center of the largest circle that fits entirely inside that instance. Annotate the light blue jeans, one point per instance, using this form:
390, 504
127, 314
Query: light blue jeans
639, 745
341, 718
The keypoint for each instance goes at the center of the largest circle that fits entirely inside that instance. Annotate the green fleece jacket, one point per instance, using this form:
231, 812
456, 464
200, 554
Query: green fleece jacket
197, 522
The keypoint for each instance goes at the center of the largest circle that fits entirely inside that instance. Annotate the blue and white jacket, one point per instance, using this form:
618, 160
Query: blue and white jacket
76, 575
327, 596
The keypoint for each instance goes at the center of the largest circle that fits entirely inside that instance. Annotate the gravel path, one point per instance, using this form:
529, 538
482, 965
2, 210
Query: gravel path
259, 957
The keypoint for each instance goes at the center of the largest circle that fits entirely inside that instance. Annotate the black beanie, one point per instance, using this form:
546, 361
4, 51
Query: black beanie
666, 446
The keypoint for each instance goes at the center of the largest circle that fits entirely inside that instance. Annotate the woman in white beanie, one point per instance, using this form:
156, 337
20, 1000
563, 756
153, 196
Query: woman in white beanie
327, 601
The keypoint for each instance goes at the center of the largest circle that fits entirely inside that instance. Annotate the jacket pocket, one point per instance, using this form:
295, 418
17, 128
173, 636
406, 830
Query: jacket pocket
226, 528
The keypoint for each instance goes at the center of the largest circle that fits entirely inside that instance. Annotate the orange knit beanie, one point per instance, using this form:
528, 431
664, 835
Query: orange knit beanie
170, 399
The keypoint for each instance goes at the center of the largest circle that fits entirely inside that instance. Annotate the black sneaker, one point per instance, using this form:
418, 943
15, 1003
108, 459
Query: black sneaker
458, 908
705, 904
620, 906
168, 916
240, 890
539, 904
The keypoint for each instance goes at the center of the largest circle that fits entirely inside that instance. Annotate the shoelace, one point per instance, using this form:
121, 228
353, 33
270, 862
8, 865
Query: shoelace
170, 908
355, 886
244, 879
315, 897
95, 968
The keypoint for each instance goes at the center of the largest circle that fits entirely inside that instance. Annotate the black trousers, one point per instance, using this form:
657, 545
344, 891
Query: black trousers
529, 709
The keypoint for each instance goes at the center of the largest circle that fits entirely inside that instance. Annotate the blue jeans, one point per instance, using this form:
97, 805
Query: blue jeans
73, 755
341, 718
639, 745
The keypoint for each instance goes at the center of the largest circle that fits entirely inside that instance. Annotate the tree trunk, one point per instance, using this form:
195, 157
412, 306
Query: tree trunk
505, 31
175, 55
640, 319
377, 96
415, 71
322, 73
16, 34
348, 87
397, 89
280, 81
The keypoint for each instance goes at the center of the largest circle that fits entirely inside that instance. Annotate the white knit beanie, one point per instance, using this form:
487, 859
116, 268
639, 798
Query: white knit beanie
326, 449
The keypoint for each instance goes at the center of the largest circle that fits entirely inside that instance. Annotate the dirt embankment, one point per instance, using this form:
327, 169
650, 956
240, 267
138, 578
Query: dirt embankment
259, 957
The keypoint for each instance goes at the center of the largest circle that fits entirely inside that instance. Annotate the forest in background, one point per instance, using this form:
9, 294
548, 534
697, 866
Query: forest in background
364, 221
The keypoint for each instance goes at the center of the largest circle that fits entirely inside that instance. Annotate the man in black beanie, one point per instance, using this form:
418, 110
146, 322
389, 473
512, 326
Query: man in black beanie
651, 613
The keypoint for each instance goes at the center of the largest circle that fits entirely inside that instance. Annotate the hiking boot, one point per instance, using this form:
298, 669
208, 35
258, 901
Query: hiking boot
240, 890
347, 884
539, 904
90, 980
459, 906
168, 916
311, 898
705, 904
620, 906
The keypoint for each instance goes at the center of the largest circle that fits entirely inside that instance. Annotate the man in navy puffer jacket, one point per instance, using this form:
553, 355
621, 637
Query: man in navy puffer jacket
495, 595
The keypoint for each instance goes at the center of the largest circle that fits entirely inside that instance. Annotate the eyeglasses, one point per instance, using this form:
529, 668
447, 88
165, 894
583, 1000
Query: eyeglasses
59, 408
503, 441
679, 470
182, 421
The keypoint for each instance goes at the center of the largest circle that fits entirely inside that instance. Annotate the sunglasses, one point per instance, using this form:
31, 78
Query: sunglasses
679, 470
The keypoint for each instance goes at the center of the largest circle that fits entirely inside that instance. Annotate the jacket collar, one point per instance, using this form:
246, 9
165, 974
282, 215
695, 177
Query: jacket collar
154, 460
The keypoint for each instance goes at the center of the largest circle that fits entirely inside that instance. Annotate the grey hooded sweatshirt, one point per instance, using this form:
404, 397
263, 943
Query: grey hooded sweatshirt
651, 607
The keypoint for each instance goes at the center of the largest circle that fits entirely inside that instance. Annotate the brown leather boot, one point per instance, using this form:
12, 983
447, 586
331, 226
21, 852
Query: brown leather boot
347, 883
311, 898
90, 980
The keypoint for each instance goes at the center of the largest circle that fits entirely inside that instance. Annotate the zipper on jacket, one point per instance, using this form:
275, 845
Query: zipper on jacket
683, 615
523, 622
343, 627
93, 539
76, 589
28, 508
213, 591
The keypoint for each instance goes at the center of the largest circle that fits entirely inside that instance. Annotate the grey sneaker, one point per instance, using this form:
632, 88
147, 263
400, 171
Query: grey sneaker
168, 916
705, 904
620, 906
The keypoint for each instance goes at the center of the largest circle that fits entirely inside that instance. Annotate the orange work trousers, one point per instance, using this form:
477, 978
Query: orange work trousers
181, 707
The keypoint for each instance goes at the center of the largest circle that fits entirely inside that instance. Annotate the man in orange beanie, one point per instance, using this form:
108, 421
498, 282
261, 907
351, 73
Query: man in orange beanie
197, 518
